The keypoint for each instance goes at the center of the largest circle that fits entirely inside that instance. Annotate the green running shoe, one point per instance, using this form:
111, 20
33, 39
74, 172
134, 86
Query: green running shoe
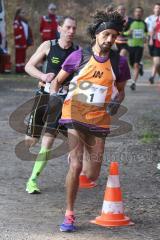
32, 188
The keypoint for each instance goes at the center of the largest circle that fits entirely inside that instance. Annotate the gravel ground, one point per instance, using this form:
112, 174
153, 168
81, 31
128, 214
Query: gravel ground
37, 217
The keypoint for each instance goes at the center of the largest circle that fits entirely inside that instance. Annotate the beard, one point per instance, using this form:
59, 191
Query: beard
105, 47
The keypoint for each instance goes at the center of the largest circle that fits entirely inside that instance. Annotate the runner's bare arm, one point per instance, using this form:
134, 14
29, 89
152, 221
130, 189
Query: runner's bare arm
114, 104
151, 34
38, 57
121, 91
58, 80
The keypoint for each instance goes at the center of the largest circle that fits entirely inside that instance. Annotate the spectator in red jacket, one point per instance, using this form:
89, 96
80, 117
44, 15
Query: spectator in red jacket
48, 24
22, 38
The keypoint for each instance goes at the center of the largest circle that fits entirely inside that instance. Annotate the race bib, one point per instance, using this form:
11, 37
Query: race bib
95, 94
47, 87
62, 90
138, 33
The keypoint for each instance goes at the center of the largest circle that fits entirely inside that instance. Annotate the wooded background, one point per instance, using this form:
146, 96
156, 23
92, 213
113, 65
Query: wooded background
81, 9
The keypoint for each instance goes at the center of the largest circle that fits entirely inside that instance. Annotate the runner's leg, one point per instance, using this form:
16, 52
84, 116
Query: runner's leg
95, 148
76, 147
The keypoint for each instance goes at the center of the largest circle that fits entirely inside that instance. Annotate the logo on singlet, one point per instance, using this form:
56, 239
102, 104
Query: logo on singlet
97, 74
55, 60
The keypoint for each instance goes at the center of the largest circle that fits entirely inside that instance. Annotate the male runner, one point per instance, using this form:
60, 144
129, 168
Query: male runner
121, 41
84, 109
153, 23
55, 52
137, 36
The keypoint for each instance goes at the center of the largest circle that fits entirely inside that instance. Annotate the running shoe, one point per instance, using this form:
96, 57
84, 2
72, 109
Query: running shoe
32, 188
133, 86
151, 80
158, 166
68, 224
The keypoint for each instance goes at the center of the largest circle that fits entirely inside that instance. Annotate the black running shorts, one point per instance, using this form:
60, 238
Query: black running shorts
135, 55
39, 119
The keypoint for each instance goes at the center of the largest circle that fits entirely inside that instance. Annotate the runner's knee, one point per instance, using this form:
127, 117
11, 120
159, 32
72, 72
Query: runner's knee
93, 176
30, 141
76, 167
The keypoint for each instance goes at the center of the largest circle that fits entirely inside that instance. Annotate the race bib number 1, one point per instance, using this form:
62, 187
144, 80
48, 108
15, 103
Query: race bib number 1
94, 94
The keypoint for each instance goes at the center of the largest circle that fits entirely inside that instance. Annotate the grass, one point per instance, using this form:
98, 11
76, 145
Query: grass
149, 126
148, 136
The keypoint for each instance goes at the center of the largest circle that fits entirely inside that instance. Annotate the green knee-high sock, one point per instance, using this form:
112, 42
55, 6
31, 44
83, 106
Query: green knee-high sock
40, 163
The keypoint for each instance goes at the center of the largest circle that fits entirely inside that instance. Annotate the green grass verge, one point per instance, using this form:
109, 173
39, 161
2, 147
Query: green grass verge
148, 136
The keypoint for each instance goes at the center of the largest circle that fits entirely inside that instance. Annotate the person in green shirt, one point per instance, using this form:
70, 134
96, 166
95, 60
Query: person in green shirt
137, 34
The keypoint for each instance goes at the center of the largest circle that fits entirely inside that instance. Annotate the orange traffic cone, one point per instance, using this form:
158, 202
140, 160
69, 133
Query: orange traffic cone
84, 182
112, 210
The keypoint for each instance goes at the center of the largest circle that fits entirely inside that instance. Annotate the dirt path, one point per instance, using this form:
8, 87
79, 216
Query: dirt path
31, 217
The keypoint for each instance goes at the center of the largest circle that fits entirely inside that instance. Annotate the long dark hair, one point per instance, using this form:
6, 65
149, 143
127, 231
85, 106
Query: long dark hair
17, 15
18, 11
